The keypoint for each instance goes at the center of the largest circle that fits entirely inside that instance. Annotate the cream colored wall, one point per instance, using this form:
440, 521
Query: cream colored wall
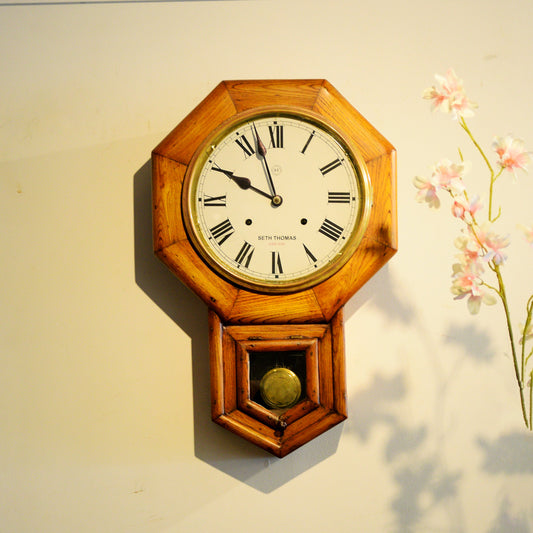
104, 408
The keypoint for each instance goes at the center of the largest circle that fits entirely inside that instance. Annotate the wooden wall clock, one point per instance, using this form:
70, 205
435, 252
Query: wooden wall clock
275, 201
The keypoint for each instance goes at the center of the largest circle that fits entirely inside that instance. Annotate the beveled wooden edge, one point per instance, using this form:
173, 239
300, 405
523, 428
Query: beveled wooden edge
378, 245
247, 94
334, 106
259, 308
307, 434
239, 425
302, 408
182, 260
326, 383
339, 363
262, 414
181, 143
392, 237
383, 223
242, 359
276, 345
311, 365
216, 364
368, 259
167, 181
265, 437
301, 332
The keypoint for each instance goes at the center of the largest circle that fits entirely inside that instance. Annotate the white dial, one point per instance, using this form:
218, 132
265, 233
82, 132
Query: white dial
277, 201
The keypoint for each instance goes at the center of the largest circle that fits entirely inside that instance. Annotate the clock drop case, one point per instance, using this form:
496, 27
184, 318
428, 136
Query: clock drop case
275, 202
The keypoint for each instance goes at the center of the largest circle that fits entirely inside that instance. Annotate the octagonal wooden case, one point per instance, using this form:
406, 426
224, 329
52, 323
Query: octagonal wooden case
238, 305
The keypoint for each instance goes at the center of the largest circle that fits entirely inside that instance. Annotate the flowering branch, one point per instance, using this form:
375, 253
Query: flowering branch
479, 244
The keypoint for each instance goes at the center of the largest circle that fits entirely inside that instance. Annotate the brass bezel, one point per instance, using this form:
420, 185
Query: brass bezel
278, 286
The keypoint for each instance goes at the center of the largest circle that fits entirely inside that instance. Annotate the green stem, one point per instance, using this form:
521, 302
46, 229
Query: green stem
525, 359
529, 309
487, 162
530, 400
529, 356
517, 368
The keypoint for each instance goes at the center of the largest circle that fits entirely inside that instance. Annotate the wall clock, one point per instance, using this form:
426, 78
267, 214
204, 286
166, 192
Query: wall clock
274, 201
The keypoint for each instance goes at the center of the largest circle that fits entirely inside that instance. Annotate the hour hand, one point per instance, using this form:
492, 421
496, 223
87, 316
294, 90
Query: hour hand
242, 182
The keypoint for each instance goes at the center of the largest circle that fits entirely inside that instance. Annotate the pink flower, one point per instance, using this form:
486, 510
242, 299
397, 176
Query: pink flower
493, 244
528, 232
451, 97
449, 176
427, 191
467, 282
482, 242
459, 208
445, 175
465, 210
511, 153
469, 247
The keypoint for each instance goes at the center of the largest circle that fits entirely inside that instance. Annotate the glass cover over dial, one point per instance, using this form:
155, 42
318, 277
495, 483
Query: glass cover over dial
277, 201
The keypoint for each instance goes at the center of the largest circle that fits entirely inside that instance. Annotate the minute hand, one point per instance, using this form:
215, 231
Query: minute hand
261, 148
242, 182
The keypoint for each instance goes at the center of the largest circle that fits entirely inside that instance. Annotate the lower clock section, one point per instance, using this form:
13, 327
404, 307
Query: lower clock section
278, 386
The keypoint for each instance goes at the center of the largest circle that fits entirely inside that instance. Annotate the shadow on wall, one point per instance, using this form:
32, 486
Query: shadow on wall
213, 444
425, 486
508, 454
383, 293
473, 340
506, 523
154, 278
422, 482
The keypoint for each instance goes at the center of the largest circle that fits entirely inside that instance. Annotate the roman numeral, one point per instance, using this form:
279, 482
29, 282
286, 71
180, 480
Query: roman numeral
338, 197
331, 230
276, 136
245, 254
310, 256
222, 231
307, 143
247, 148
214, 201
330, 166
276, 263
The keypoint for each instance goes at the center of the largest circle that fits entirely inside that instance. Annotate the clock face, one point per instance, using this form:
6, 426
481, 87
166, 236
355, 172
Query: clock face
276, 201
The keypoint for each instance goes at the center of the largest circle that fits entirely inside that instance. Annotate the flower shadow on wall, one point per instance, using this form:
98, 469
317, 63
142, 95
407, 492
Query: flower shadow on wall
428, 492
423, 483
426, 489
511, 453
382, 292
474, 341
510, 456
507, 523
411, 451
